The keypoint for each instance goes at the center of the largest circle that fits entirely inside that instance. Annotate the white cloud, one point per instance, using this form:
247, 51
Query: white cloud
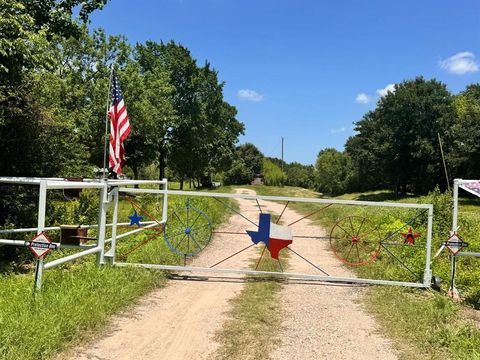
250, 95
386, 89
362, 98
459, 64
339, 130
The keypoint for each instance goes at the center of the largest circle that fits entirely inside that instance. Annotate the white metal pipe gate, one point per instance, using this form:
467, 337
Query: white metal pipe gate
110, 192
424, 283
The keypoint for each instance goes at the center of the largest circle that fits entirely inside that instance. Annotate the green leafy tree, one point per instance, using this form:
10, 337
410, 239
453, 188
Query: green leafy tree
248, 162
76, 88
300, 175
150, 112
333, 171
203, 133
397, 143
238, 173
463, 157
36, 139
252, 157
27, 26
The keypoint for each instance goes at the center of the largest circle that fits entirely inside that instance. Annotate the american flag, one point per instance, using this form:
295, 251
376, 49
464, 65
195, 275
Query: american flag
119, 128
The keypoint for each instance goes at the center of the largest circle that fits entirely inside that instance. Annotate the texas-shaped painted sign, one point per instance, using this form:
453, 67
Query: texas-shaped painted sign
275, 237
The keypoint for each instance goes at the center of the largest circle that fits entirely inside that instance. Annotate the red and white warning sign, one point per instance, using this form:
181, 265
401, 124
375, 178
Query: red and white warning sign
40, 245
455, 244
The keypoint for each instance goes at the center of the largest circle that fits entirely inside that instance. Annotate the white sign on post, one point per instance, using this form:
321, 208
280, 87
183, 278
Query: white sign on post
40, 245
455, 244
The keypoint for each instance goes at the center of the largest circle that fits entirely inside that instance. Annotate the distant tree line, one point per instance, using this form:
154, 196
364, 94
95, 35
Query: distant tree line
249, 161
396, 145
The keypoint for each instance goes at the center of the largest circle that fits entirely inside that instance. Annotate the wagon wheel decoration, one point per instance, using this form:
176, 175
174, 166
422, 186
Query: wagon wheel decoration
355, 241
188, 230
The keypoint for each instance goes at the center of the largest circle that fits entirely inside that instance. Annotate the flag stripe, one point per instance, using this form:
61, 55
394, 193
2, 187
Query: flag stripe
119, 128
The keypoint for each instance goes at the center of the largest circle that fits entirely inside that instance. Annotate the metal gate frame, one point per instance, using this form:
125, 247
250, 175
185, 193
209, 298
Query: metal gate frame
457, 184
109, 195
107, 191
427, 274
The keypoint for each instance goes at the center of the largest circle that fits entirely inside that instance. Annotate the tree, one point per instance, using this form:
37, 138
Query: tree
398, 141
150, 110
36, 139
247, 162
333, 171
300, 175
238, 173
76, 87
463, 155
252, 157
27, 27
202, 137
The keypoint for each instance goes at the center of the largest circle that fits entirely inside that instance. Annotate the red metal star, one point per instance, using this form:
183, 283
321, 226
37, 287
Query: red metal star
410, 237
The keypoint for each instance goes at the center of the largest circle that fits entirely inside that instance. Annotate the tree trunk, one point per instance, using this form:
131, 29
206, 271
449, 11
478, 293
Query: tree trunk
161, 164
135, 175
181, 184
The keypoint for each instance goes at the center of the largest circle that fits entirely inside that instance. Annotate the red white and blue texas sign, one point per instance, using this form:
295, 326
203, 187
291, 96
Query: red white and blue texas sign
275, 237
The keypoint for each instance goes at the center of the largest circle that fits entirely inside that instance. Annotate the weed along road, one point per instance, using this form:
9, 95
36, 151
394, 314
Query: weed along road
186, 319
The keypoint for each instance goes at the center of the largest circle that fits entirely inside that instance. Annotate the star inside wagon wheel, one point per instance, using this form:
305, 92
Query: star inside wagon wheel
188, 231
355, 241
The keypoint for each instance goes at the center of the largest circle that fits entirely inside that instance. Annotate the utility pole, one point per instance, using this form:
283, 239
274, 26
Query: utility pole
443, 160
282, 153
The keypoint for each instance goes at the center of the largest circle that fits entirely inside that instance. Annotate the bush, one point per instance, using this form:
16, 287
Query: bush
273, 175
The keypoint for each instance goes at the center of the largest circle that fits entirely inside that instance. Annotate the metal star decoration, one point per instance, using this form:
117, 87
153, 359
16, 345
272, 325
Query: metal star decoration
135, 218
410, 237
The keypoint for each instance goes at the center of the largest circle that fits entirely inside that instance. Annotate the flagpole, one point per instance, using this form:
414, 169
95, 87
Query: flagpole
109, 97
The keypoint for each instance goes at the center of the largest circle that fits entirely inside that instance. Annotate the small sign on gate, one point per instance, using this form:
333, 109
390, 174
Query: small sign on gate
455, 244
40, 245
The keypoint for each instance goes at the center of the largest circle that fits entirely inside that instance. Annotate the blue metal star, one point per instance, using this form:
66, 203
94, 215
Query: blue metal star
135, 219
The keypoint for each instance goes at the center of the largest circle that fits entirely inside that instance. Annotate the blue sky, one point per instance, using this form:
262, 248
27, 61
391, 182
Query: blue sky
307, 70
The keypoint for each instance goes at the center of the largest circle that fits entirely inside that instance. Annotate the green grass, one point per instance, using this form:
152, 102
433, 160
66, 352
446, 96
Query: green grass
425, 324
255, 318
78, 298
73, 304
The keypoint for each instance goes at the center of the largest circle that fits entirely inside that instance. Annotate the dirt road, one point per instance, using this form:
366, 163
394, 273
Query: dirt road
180, 320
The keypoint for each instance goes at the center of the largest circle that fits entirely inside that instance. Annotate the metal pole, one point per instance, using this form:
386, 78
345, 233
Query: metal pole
109, 96
427, 275
42, 200
102, 217
165, 201
452, 291
111, 252
72, 257
455, 206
